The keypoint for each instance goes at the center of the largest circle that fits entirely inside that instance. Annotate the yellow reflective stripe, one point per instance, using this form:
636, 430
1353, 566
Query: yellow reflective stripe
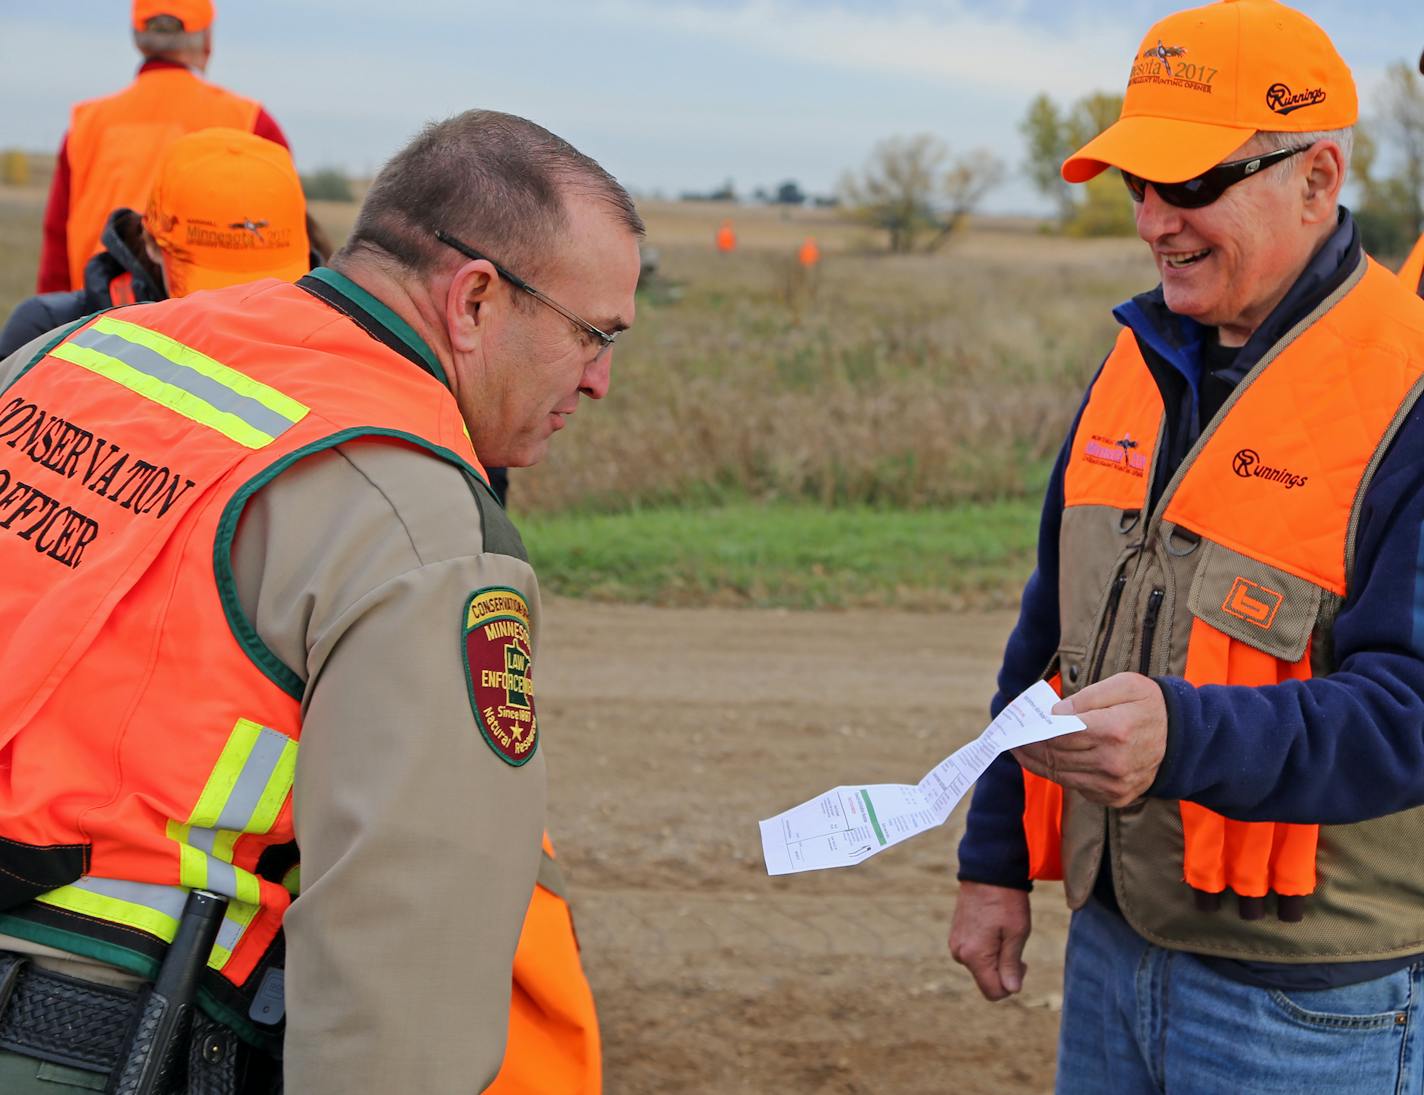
192, 863
248, 786
225, 774
279, 785
234, 927
163, 393
144, 917
189, 358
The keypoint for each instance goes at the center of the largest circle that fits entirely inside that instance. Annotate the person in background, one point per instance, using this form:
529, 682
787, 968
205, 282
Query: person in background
1412, 272
226, 207
109, 156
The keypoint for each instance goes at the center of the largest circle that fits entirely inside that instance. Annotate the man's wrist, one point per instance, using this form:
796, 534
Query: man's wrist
1171, 755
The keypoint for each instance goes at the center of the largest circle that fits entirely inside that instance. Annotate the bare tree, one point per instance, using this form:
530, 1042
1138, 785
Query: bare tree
1400, 127
910, 186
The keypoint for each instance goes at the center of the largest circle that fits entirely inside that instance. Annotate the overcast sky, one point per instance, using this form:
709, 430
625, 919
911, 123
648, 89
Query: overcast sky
669, 95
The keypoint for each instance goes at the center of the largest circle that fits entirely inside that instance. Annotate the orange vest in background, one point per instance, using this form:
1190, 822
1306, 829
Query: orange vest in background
1412, 272
554, 1046
127, 451
114, 144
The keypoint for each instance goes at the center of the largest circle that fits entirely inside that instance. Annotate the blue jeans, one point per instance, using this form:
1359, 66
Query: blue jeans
1140, 1019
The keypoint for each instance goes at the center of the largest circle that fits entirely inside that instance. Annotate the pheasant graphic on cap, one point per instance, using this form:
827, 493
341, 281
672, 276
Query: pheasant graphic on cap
1162, 52
250, 225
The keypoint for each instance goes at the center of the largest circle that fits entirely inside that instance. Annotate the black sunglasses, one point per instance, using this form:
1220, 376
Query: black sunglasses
1209, 185
606, 340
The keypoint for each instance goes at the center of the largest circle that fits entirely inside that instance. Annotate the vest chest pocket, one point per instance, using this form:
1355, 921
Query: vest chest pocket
1254, 603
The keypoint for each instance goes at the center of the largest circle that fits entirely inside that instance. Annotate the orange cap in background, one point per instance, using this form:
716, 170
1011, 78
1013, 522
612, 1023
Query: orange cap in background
196, 14
227, 208
1204, 81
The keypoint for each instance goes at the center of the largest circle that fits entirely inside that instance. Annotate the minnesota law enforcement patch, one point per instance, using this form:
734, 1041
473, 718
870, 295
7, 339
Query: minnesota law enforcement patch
498, 669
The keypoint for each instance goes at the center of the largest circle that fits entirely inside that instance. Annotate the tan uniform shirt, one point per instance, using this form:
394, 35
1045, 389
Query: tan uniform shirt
419, 845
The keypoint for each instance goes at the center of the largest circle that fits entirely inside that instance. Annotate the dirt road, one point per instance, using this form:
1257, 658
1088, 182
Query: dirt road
669, 733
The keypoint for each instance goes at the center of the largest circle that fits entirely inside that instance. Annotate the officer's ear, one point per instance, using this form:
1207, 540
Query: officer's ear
467, 303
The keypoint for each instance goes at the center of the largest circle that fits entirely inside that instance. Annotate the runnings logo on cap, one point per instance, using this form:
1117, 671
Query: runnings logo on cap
1283, 100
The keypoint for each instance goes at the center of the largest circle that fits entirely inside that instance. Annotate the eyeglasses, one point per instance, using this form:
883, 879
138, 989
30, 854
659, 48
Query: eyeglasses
606, 340
1209, 185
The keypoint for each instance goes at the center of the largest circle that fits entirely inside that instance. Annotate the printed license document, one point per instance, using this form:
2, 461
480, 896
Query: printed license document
848, 825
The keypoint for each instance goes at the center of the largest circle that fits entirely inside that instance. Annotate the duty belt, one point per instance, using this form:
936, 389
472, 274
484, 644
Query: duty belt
62, 1019
85, 1025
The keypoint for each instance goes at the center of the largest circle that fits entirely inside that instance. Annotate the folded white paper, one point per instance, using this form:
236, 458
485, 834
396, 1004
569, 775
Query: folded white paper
848, 825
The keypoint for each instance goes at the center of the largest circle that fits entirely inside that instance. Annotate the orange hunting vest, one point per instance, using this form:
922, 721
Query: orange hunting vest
114, 145
1412, 272
553, 1027
1238, 576
148, 737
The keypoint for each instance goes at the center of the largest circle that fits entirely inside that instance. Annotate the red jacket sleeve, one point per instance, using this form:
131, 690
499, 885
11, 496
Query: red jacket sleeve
266, 126
54, 252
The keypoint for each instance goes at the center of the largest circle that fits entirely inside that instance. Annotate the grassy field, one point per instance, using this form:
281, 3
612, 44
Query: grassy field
874, 433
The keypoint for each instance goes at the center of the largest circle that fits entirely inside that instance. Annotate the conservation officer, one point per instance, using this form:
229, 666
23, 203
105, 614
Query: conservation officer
267, 634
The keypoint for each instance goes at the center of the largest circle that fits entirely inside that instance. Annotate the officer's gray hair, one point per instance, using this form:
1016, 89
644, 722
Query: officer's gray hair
1282, 172
495, 181
163, 36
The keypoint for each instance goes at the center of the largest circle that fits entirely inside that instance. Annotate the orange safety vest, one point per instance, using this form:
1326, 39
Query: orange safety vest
114, 145
553, 1027
127, 451
121, 290
1302, 537
1412, 272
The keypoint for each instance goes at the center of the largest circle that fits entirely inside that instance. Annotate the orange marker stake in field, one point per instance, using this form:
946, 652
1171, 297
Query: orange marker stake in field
809, 254
726, 238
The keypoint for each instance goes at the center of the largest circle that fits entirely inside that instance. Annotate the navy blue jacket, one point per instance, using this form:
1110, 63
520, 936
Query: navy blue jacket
121, 239
1331, 750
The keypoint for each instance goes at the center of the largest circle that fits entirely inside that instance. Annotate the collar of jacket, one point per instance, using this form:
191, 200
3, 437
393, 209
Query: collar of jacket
1179, 340
373, 317
121, 238
153, 64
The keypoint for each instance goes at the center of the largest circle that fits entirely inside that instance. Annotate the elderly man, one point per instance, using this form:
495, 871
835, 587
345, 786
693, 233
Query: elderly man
1227, 593
109, 157
262, 610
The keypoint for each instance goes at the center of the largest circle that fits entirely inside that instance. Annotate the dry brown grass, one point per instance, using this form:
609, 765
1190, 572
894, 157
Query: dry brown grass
905, 381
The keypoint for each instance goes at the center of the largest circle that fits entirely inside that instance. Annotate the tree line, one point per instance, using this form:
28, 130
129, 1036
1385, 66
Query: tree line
919, 192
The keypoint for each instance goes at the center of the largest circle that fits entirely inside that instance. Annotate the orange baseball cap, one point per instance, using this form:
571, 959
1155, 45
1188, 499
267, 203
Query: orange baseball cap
1204, 81
196, 15
227, 208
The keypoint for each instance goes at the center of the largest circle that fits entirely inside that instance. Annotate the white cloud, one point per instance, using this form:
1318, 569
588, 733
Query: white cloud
948, 45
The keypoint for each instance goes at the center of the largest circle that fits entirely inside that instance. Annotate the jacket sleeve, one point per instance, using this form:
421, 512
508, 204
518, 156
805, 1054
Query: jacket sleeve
266, 126
993, 849
419, 843
39, 315
1346, 746
54, 251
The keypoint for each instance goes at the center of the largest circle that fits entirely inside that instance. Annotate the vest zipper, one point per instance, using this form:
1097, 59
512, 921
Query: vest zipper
1114, 596
1149, 628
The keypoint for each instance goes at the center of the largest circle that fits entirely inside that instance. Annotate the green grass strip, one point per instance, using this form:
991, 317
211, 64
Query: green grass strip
789, 555
870, 812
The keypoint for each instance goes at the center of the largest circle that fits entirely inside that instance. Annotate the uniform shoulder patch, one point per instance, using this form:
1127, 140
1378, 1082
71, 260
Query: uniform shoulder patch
499, 664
